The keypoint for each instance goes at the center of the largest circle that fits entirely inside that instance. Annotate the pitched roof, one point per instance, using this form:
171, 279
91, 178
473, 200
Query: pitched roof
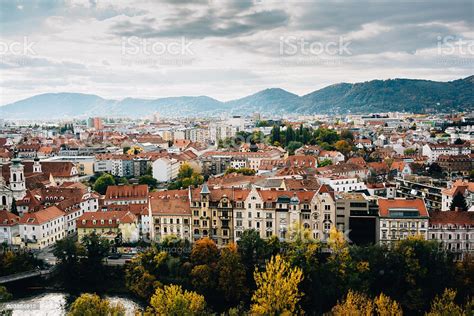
8, 219
125, 192
399, 204
42, 216
110, 219
452, 217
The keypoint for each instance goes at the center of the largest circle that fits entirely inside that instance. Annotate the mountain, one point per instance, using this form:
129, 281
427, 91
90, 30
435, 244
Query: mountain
275, 100
408, 95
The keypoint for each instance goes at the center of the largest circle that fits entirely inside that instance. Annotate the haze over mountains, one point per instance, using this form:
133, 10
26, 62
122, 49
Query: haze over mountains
408, 95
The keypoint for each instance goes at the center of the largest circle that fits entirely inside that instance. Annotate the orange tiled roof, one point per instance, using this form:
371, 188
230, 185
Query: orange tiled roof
42, 216
385, 205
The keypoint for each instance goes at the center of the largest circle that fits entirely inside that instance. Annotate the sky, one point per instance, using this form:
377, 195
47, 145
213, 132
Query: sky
226, 49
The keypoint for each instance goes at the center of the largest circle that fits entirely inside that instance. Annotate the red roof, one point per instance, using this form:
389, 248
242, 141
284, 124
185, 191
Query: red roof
387, 205
125, 192
452, 217
41, 216
8, 219
109, 219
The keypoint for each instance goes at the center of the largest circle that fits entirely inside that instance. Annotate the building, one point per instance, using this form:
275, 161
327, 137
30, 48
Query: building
126, 194
42, 228
110, 225
454, 230
433, 151
343, 184
427, 188
455, 166
9, 227
400, 218
358, 214
171, 214
459, 187
165, 169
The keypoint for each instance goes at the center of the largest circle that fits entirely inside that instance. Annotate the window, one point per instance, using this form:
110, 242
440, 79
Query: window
258, 205
238, 215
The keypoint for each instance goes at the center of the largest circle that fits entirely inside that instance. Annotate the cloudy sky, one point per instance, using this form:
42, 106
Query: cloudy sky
226, 49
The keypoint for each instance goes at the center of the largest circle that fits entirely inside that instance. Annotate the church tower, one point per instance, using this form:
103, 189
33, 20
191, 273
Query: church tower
17, 179
37, 166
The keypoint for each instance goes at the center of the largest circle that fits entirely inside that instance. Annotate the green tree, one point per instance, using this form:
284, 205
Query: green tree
172, 300
325, 162
275, 135
409, 151
277, 289
4, 294
148, 180
92, 305
292, 146
343, 146
231, 274
101, 184
458, 202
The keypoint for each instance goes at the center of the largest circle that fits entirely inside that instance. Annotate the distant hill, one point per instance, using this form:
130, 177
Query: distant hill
408, 95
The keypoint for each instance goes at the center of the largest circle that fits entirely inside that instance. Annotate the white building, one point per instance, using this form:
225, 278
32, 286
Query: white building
342, 184
9, 228
400, 218
42, 228
165, 169
433, 151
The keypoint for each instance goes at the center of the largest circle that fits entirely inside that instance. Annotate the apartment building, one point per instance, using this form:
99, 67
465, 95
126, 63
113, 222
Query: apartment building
42, 228
434, 151
400, 218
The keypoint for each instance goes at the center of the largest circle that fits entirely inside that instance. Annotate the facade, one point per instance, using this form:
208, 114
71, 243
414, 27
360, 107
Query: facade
400, 218
165, 169
42, 228
110, 225
454, 230
171, 215
454, 166
126, 194
429, 189
9, 227
459, 187
433, 151
343, 184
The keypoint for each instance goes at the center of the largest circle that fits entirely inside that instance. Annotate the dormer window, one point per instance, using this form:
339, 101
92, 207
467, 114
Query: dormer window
83, 222
110, 221
102, 221
94, 222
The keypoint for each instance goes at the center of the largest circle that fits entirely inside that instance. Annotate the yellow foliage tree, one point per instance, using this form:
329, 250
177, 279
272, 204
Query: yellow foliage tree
359, 304
385, 306
354, 304
92, 305
444, 305
277, 289
339, 250
172, 300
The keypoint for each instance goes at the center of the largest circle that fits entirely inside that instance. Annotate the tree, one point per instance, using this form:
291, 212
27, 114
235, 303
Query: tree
101, 184
444, 305
93, 305
185, 171
4, 294
385, 306
148, 180
96, 249
459, 202
409, 151
275, 135
231, 274
277, 289
14, 208
325, 162
204, 252
68, 253
293, 146
172, 300
354, 304
343, 146
347, 135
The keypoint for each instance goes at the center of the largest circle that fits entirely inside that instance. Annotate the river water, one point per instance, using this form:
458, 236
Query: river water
56, 304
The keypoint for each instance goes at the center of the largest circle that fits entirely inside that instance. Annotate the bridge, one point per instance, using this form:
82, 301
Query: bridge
24, 275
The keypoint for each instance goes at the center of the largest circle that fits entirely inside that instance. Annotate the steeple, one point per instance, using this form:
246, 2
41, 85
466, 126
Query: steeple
37, 165
205, 189
17, 179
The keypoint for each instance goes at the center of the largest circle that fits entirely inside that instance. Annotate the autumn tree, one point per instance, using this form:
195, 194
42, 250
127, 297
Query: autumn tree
343, 146
385, 306
204, 252
231, 274
172, 300
277, 289
92, 305
444, 305
354, 304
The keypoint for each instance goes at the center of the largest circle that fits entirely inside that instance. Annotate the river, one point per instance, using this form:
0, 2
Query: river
56, 304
